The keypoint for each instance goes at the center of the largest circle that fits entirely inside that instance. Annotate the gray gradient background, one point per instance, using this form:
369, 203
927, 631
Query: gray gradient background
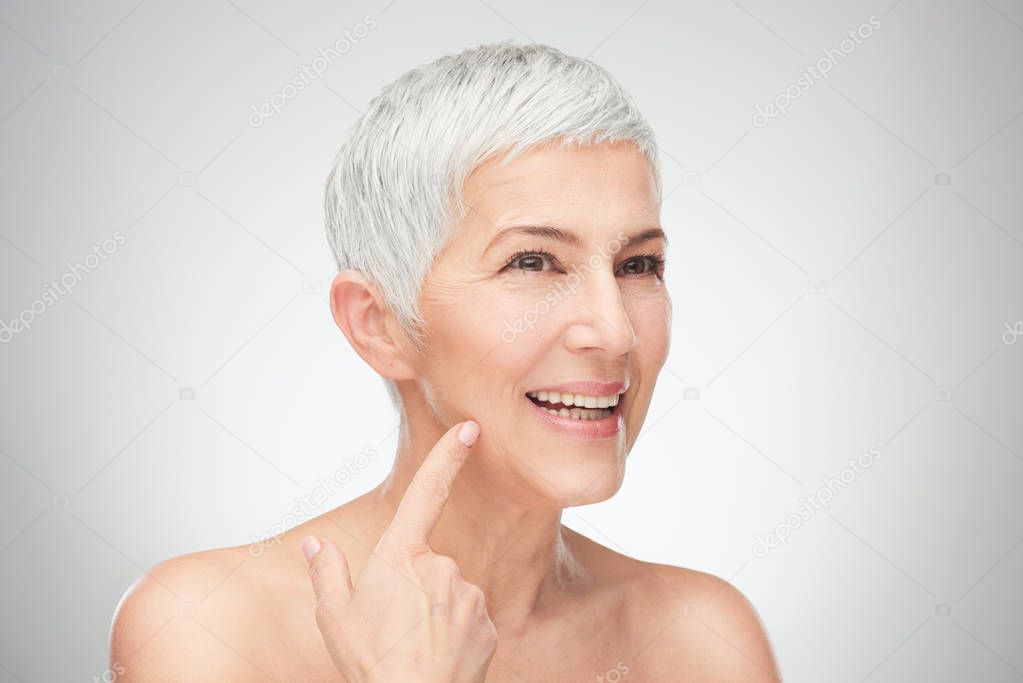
193, 384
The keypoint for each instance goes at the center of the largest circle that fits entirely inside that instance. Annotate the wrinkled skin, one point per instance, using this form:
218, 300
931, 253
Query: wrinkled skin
563, 607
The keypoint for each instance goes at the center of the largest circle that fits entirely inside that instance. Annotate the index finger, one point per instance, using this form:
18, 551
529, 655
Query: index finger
423, 502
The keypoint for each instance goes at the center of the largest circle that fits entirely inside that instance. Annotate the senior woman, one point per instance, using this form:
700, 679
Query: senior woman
495, 217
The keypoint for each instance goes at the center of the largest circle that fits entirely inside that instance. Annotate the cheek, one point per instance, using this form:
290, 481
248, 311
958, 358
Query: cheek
482, 341
650, 315
512, 314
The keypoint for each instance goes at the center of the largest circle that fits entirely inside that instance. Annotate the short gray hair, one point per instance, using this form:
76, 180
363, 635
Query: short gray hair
394, 194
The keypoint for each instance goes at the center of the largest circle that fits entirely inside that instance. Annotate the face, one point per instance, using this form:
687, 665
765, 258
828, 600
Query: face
525, 323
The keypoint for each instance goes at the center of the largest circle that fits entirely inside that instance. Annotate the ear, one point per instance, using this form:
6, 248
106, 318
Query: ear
369, 325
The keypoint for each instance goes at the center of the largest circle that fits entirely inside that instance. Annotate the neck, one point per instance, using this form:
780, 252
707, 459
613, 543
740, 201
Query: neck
507, 542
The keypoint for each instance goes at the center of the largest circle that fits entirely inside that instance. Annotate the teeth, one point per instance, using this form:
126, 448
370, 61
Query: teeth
580, 400
580, 413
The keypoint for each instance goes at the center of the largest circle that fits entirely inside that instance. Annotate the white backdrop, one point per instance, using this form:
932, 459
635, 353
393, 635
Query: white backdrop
846, 276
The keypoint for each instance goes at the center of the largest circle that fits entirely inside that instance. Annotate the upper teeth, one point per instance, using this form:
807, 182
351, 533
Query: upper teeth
581, 400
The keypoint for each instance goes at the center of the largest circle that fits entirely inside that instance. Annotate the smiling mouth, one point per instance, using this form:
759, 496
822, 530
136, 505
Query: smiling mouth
576, 406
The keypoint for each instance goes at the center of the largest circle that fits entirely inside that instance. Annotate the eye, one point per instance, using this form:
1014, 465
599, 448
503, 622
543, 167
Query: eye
647, 264
532, 260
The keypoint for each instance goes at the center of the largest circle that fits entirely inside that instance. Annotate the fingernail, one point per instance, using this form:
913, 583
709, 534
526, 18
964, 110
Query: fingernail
468, 433
310, 546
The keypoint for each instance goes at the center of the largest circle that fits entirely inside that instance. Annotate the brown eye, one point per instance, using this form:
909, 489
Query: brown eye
530, 261
647, 264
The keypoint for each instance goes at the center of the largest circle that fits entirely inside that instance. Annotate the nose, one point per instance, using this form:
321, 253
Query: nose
599, 319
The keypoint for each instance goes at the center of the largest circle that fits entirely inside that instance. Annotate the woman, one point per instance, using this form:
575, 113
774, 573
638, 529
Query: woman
495, 220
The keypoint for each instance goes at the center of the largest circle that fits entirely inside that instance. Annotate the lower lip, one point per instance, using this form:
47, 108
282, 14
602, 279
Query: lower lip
582, 429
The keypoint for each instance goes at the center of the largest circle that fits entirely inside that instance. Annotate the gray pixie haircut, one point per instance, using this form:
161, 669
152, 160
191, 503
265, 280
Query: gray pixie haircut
394, 194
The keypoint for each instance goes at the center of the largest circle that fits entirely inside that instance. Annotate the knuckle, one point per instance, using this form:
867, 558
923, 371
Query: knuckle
325, 575
317, 566
402, 551
321, 564
328, 614
473, 594
316, 576
434, 486
484, 631
439, 575
446, 566
394, 546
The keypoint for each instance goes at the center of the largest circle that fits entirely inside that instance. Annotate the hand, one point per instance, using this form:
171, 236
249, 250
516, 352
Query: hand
411, 617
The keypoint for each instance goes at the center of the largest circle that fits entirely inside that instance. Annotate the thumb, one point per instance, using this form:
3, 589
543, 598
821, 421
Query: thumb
328, 570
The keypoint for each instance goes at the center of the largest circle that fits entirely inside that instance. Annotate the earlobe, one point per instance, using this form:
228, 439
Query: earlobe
363, 316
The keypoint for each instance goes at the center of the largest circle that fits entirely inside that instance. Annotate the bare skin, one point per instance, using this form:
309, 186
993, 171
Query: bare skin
563, 607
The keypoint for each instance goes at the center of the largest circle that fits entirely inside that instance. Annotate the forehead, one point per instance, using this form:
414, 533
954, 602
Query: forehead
594, 188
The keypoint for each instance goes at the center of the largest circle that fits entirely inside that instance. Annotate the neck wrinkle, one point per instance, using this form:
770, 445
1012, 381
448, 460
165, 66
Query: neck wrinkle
512, 549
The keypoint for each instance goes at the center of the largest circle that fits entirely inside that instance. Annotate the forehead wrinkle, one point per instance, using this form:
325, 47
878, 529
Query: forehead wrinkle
541, 231
571, 238
517, 199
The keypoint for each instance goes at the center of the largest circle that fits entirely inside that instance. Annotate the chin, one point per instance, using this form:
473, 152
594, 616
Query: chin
584, 484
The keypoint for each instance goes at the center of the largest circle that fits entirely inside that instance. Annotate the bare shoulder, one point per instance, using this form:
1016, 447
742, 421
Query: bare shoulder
717, 625
191, 618
242, 613
688, 622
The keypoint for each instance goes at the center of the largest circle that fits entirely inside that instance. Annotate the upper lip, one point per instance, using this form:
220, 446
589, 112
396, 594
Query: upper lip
586, 388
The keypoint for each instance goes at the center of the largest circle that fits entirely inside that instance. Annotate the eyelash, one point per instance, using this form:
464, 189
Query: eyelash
656, 260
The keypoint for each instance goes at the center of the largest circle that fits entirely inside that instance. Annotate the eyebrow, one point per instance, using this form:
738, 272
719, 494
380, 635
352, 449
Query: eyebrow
570, 238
